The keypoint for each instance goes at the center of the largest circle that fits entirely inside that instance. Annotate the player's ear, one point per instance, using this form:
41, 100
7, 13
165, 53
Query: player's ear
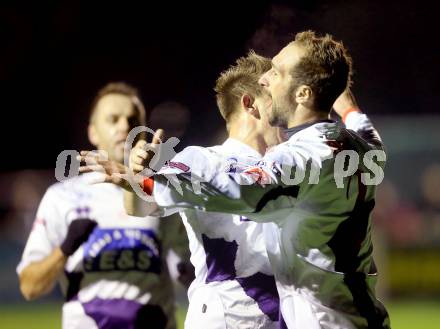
303, 95
246, 101
93, 135
248, 104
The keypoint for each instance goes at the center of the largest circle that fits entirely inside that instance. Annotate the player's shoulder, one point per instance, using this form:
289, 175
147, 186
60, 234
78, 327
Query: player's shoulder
195, 154
71, 188
222, 150
189, 159
318, 133
307, 143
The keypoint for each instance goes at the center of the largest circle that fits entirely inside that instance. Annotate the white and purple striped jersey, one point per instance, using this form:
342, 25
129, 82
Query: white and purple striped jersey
119, 277
318, 240
234, 286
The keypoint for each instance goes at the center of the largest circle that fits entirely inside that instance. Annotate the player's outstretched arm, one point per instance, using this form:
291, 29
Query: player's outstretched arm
112, 171
197, 180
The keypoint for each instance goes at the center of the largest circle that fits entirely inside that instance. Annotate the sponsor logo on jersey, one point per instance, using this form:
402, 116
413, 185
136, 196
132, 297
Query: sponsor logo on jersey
128, 249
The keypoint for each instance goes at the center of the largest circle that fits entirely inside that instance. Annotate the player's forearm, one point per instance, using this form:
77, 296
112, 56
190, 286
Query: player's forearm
135, 206
129, 203
347, 108
38, 278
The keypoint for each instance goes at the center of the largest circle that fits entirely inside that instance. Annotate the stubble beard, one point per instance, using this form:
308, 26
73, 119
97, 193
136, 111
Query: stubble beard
277, 117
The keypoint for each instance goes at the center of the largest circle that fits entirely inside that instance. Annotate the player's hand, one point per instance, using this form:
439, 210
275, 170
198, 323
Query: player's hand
113, 171
138, 157
345, 103
142, 153
77, 233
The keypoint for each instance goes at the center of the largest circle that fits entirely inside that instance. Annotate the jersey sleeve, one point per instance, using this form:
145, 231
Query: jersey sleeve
46, 233
193, 163
362, 125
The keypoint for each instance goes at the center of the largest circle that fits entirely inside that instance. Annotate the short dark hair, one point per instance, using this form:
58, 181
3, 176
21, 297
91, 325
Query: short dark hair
121, 88
326, 67
239, 79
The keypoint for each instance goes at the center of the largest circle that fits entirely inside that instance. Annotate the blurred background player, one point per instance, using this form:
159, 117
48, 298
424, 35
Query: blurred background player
111, 268
234, 285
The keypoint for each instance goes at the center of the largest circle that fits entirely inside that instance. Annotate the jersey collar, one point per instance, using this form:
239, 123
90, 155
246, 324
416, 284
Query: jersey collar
240, 147
289, 132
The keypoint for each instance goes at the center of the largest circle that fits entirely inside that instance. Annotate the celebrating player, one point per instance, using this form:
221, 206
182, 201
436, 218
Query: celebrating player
317, 188
320, 248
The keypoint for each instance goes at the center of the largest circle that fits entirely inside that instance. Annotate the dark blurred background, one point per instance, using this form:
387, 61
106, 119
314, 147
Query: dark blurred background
54, 56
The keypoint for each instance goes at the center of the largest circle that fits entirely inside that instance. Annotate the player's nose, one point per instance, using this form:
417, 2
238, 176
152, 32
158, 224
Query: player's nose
123, 125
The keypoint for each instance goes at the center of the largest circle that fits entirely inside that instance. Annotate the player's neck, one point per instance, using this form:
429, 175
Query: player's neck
247, 135
257, 143
303, 115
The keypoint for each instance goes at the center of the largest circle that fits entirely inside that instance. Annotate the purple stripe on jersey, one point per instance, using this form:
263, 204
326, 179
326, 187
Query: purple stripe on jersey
262, 288
220, 258
123, 313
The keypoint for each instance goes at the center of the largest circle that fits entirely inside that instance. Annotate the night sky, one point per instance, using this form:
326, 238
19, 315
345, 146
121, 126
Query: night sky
55, 56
